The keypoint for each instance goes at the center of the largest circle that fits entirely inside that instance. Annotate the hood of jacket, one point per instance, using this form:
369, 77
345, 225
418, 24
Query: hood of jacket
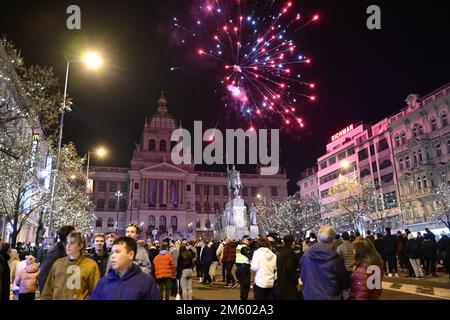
267, 253
321, 252
114, 276
32, 268
163, 252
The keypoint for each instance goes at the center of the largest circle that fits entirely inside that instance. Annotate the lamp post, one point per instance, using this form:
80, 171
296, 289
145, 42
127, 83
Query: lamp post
118, 195
93, 61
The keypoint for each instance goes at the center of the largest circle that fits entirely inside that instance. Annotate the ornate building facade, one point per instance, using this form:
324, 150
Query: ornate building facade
168, 199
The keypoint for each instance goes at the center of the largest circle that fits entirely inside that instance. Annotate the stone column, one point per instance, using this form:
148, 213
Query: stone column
145, 190
157, 194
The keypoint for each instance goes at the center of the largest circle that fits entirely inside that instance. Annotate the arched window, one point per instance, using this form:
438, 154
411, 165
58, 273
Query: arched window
401, 164
151, 222
99, 223
420, 129
112, 204
152, 145
385, 164
414, 157
444, 119
419, 184
397, 140
162, 145
403, 138
198, 207
438, 150
414, 131
174, 223
424, 181
123, 205
207, 223
100, 204
110, 222
198, 224
162, 223
433, 125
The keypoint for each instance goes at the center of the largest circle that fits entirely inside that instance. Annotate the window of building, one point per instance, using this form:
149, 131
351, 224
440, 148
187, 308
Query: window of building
365, 172
420, 155
151, 145
424, 181
274, 191
414, 131
151, 222
197, 189
216, 190
100, 204
198, 207
136, 185
420, 130
198, 224
162, 145
206, 190
372, 150
110, 222
350, 151
397, 141
407, 163
374, 166
254, 191
102, 186
123, 205
162, 223
216, 206
99, 223
124, 186
433, 125
363, 155
387, 178
414, 157
443, 177
401, 164
112, 186
341, 155
174, 223
403, 138
305, 184
390, 200
444, 120
188, 187
225, 190
324, 194
332, 160
323, 165
385, 164
419, 184
438, 150
172, 145
135, 203
376, 183
112, 204
383, 145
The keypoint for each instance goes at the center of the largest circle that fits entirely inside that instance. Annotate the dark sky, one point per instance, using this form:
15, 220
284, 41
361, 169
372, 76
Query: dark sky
360, 74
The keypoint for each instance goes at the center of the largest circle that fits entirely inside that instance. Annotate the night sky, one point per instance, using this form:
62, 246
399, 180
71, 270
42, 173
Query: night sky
360, 74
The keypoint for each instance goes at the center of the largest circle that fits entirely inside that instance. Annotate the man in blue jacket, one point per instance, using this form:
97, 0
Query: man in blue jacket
322, 270
125, 281
205, 262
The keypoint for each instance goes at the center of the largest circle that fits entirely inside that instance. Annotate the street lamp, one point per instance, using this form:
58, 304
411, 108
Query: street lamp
101, 152
92, 61
118, 195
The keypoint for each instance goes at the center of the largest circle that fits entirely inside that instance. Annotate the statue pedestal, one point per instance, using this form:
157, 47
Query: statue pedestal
254, 232
235, 233
239, 215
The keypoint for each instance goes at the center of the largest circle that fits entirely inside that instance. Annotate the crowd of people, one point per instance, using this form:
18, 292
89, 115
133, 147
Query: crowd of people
326, 266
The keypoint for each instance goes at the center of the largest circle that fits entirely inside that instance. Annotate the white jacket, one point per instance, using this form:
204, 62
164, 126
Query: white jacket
264, 263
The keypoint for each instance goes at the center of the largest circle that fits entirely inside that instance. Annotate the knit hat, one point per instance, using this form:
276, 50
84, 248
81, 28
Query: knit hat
410, 236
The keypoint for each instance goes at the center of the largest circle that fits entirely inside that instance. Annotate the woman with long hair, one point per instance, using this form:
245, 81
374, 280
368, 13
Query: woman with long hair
367, 277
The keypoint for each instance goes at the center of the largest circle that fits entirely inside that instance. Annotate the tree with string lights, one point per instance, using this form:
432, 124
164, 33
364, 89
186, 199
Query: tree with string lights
441, 194
294, 216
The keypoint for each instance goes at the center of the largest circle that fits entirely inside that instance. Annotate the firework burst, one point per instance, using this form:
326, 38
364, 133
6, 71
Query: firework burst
259, 59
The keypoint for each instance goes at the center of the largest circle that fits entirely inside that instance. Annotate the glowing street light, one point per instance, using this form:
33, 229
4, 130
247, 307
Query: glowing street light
92, 60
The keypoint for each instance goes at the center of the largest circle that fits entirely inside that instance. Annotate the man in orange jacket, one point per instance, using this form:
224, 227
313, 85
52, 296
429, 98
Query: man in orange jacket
164, 271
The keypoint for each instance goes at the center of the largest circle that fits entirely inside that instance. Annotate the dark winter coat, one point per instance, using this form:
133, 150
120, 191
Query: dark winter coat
323, 273
102, 261
58, 251
214, 247
379, 246
185, 260
134, 285
389, 244
413, 249
287, 275
206, 255
429, 248
5, 276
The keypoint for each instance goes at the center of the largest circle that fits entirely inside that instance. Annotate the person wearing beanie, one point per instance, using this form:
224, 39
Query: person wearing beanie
412, 251
27, 279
